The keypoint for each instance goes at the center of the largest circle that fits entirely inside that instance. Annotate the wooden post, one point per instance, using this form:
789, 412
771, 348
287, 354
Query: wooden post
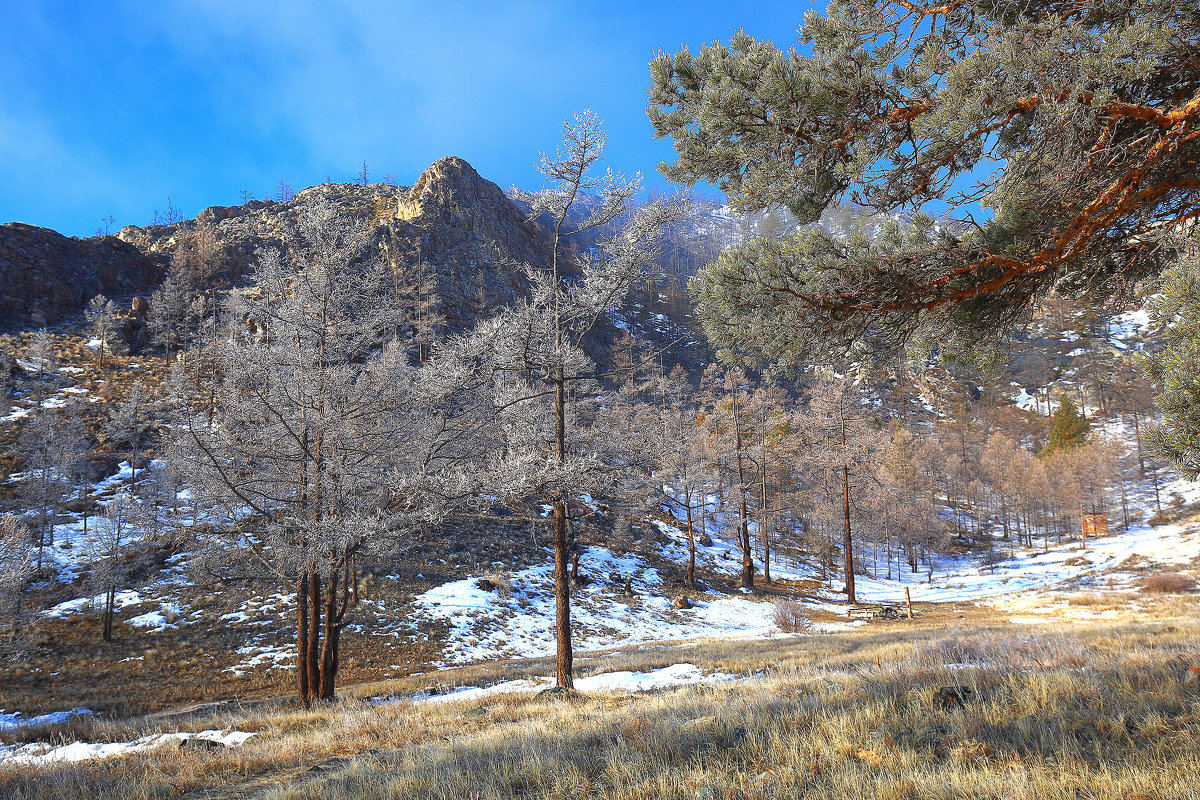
908, 602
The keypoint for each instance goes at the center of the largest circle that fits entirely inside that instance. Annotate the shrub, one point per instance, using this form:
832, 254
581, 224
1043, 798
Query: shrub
1168, 583
791, 617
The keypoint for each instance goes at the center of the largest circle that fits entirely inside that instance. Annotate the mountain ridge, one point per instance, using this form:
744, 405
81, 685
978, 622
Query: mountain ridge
456, 225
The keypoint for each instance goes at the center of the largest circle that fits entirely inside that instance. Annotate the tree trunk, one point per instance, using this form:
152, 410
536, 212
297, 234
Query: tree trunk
562, 555
329, 645
691, 567
562, 597
312, 661
764, 531
110, 601
302, 685
850, 597
744, 520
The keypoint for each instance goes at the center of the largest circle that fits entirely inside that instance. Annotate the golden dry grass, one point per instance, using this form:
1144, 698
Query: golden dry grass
1057, 712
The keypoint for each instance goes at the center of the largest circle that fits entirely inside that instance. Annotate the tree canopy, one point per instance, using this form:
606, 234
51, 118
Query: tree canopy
1068, 428
1057, 141
1174, 367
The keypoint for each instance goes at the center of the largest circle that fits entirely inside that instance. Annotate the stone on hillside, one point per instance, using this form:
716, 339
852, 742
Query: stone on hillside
554, 693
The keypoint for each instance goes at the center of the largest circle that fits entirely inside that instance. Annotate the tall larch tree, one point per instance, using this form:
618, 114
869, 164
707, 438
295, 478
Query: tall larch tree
320, 438
545, 376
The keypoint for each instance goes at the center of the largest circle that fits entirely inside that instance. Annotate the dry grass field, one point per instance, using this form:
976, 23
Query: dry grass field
923, 709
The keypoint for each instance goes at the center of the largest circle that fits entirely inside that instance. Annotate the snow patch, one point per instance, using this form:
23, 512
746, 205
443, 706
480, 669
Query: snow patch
43, 753
624, 681
17, 720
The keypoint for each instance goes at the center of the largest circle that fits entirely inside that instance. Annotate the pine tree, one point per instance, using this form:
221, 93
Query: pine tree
1176, 368
1068, 428
1071, 123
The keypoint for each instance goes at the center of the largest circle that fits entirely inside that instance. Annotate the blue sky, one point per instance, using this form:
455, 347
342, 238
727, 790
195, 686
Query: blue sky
111, 108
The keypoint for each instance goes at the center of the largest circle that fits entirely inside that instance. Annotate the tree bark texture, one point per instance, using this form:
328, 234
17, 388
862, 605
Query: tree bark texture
850, 597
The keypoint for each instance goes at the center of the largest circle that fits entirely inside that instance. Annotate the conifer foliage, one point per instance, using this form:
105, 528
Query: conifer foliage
1176, 368
1061, 137
1068, 428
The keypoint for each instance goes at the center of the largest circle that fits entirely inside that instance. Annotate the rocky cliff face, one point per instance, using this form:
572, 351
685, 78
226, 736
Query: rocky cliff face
45, 276
454, 225
472, 236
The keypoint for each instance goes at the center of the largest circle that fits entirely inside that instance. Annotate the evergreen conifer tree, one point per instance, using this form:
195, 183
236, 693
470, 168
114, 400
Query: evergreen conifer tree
1056, 140
1068, 428
1176, 368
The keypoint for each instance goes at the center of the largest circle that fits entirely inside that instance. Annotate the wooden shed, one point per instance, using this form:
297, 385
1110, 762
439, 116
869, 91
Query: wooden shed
1094, 525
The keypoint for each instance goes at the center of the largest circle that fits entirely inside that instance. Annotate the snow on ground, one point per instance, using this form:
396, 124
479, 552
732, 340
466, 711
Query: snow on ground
1129, 325
1034, 584
1105, 563
121, 600
17, 720
1024, 400
664, 678
57, 400
17, 413
43, 753
516, 618
167, 616
277, 656
512, 616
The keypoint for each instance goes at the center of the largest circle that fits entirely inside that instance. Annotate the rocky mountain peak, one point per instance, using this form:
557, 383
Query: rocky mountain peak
45, 275
452, 225
447, 184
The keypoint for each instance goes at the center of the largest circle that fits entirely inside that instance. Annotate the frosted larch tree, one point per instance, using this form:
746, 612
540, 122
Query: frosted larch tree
547, 380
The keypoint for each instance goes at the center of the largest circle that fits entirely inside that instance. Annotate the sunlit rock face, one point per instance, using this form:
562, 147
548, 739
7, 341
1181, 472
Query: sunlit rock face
453, 225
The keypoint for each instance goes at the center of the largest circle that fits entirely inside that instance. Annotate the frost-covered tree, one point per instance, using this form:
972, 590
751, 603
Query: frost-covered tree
1177, 307
678, 443
7, 366
546, 382
843, 447
129, 426
110, 557
101, 316
170, 309
730, 440
320, 438
40, 357
16, 568
52, 446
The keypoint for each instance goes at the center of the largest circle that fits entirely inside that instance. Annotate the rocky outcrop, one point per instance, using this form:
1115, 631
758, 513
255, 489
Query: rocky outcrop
452, 226
45, 276
472, 237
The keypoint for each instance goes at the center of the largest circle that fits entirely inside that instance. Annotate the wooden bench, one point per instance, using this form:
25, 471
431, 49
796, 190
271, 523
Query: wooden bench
863, 612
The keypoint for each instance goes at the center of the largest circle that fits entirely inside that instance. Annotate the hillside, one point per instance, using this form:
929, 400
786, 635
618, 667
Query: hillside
993, 544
